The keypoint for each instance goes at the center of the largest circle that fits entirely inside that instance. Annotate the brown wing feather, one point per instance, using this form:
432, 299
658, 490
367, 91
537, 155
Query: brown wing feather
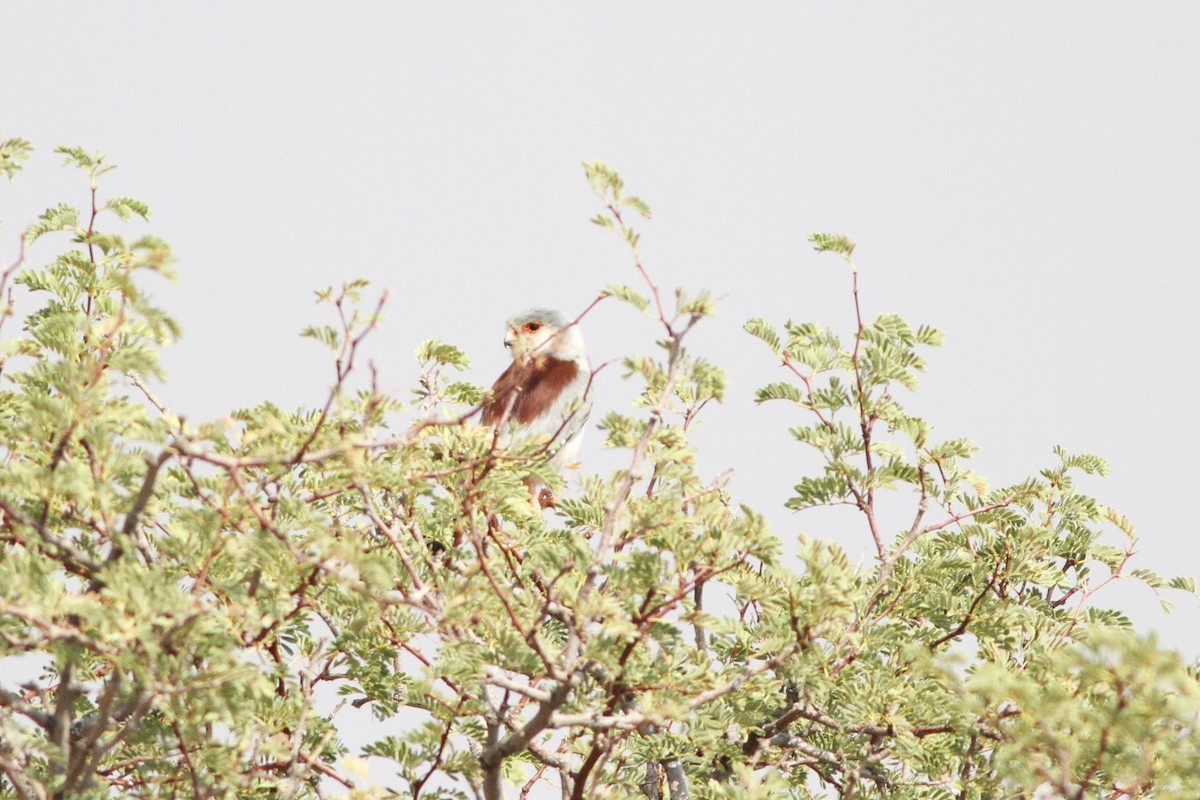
530, 386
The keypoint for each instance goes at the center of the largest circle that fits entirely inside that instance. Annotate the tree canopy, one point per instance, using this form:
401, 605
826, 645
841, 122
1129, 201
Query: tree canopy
187, 608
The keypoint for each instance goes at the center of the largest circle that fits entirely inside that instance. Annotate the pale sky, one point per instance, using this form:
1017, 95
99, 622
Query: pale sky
1024, 176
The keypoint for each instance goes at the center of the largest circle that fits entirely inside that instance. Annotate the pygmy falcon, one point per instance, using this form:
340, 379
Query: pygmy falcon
544, 393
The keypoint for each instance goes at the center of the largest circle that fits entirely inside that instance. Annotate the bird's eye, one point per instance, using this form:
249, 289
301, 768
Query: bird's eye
533, 327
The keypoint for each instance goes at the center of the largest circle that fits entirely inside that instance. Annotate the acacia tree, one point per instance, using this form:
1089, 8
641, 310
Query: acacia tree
187, 607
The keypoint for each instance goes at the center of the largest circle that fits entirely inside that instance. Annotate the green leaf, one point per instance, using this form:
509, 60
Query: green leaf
627, 294
604, 180
1148, 577
1090, 464
465, 393
323, 334
929, 336
702, 305
819, 491
126, 207
834, 243
638, 205
60, 218
780, 391
431, 350
92, 164
952, 448
1186, 584
1108, 555
13, 154
762, 329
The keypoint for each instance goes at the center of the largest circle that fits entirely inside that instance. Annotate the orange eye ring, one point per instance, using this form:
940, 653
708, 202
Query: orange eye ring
533, 327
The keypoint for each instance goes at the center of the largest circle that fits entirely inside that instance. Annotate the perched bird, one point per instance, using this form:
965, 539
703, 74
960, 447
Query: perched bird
544, 392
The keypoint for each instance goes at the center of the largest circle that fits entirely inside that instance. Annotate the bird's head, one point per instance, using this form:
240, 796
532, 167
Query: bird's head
543, 331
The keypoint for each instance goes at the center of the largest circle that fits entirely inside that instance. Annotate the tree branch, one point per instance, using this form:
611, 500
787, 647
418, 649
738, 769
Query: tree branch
491, 759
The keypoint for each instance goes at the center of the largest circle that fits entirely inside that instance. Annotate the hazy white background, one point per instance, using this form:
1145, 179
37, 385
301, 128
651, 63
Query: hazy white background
1024, 176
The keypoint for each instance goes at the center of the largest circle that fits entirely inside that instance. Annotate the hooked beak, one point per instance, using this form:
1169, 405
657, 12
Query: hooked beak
509, 339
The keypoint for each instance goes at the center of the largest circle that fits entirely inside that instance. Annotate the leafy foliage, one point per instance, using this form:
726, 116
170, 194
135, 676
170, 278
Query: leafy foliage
203, 600
13, 154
